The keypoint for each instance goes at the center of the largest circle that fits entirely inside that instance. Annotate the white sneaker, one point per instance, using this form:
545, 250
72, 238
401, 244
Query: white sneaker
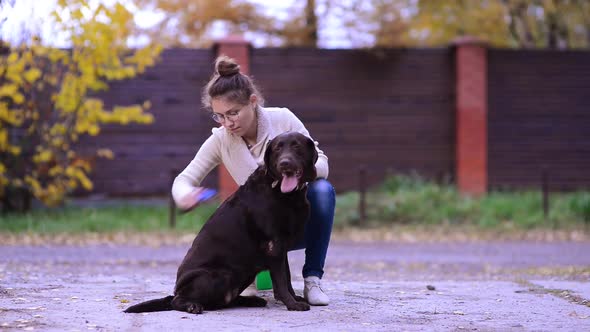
313, 293
251, 290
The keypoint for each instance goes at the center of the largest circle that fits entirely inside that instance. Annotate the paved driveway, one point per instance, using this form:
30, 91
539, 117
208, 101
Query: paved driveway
503, 286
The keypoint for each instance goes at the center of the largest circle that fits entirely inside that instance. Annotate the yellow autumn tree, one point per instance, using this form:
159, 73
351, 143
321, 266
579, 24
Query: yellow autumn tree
189, 23
503, 23
48, 101
561, 24
193, 23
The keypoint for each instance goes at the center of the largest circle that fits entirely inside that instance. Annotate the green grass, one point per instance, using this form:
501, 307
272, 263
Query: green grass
400, 200
413, 200
114, 218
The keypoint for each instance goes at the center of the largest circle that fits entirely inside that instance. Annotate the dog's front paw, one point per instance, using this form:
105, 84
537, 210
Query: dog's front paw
194, 308
300, 299
298, 306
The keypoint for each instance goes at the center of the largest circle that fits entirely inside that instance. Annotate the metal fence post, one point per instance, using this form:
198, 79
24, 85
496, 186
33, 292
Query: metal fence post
545, 189
362, 194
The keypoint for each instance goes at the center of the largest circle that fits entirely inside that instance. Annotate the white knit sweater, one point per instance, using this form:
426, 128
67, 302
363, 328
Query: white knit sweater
231, 150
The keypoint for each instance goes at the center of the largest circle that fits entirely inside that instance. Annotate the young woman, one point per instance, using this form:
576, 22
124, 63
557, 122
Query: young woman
240, 143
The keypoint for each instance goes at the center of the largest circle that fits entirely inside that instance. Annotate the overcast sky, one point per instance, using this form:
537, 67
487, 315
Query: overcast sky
33, 15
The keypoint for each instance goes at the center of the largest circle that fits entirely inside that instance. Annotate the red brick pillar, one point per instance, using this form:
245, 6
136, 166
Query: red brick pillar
237, 48
471, 116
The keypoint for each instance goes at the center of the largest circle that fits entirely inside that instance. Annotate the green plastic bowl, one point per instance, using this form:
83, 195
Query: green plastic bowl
263, 280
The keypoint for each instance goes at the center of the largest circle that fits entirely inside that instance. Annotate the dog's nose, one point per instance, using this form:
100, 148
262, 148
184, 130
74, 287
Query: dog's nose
284, 163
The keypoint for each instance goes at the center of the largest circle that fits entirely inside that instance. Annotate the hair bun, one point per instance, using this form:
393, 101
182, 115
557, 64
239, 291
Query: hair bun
226, 66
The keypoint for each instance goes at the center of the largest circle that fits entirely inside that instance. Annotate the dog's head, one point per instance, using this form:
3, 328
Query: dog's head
290, 159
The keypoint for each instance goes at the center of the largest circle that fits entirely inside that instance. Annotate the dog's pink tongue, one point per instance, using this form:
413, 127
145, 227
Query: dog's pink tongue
288, 184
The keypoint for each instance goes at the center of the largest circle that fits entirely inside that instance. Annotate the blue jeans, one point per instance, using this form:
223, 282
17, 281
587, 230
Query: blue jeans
322, 201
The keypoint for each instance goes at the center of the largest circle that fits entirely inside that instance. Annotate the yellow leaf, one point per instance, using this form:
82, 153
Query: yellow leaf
8, 90
15, 150
12, 58
56, 170
147, 104
18, 98
43, 156
72, 184
3, 139
105, 153
32, 75
93, 130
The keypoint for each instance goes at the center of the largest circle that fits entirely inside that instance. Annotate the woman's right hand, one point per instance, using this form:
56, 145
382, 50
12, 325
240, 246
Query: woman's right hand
190, 200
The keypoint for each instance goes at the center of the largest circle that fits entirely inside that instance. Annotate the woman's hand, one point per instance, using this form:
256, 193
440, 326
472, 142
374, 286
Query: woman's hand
190, 200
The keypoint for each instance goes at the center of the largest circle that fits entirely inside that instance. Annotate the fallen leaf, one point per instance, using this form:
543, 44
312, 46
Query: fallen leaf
575, 314
430, 287
124, 301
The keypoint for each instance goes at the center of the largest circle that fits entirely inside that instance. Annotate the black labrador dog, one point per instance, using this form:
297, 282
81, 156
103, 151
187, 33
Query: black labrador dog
250, 232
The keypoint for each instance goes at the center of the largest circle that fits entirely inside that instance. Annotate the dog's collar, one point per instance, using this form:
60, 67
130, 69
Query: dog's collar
299, 187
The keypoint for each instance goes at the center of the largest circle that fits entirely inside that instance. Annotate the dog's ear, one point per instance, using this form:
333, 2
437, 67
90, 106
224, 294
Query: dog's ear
314, 151
310, 171
267, 154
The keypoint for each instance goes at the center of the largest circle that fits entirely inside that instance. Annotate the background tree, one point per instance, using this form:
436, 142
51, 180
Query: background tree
192, 23
48, 101
503, 23
189, 23
374, 23
299, 29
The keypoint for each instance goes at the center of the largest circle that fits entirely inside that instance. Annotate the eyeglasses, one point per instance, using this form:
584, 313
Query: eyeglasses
231, 116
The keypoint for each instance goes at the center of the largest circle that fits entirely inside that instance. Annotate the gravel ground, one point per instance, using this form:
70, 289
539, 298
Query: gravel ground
481, 286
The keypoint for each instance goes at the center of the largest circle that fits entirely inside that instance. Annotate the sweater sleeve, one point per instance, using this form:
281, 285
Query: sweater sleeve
296, 125
205, 160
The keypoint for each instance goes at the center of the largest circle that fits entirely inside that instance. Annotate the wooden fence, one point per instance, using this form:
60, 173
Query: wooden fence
388, 110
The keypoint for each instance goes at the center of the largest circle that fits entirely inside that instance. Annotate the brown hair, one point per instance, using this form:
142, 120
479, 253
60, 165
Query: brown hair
227, 82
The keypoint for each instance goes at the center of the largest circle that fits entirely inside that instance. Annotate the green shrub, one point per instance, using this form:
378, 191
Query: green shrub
415, 200
580, 205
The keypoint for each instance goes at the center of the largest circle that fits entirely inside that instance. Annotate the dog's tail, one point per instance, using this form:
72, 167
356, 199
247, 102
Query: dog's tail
163, 304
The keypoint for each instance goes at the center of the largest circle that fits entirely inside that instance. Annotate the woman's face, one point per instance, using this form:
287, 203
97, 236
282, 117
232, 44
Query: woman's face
238, 119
